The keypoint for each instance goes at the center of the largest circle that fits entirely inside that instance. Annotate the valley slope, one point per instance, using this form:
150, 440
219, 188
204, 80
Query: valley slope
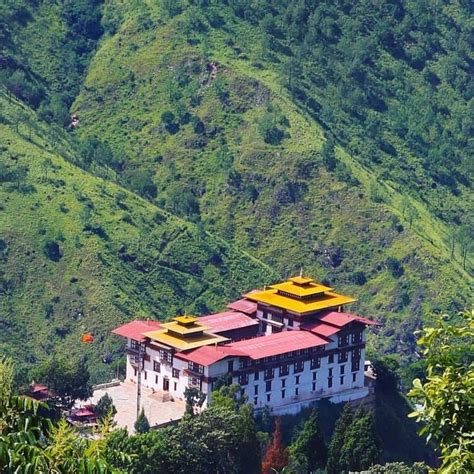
207, 119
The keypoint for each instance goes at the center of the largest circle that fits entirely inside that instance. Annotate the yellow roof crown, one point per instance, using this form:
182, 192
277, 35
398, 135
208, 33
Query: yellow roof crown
300, 295
186, 319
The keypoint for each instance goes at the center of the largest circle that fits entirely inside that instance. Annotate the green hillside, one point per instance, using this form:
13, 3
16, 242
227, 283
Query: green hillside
326, 136
81, 254
254, 168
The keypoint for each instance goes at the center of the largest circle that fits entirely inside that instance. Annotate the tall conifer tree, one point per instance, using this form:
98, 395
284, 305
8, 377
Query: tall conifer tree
361, 446
276, 456
309, 450
337, 440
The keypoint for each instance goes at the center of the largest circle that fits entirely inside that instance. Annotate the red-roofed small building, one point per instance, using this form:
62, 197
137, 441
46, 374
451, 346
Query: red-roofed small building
286, 346
38, 392
82, 415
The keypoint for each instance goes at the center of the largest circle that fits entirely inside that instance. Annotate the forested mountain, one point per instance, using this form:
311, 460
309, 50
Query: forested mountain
332, 136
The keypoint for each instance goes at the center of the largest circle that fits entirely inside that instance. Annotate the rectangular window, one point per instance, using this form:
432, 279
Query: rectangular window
290, 322
156, 379
342, 380
256, 375
255, 400
175, 386
268, 386
166, 357
145, 373
230, 366
156, 366
357, 338
354, 376
342, 356
329, 382
314, 375
355, 365
175, 373
315, 363
330, 358
284, 370
297, 390
255, 390
298, 367
314, 386
134, 345
330, 372
341, 369
243, 379
196, 367
269, 373
343, 340
297, 380
268, 397
283, 383
283, 394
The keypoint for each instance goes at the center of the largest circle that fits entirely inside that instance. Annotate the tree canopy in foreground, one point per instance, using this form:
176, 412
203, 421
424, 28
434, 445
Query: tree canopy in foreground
444, 403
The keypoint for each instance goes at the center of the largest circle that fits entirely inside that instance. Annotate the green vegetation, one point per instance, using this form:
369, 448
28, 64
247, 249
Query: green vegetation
228, 145
445, 399
67, 379
30, 442
142, 424
309, 450
81, 254
265, 130
105, 407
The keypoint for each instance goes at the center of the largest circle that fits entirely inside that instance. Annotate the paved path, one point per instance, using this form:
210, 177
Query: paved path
124, 397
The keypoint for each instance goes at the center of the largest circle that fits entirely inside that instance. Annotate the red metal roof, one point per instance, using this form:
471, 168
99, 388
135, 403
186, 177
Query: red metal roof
134, 329
321, 329
244, 306
37, 387
208, 355
84, 411
278, 343
341, 319
227, 321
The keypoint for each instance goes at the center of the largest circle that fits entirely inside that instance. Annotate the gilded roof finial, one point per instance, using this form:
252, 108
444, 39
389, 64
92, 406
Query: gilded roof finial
301, 272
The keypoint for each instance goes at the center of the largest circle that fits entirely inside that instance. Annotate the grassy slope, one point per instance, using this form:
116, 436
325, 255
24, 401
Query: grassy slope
131, 81
142, 262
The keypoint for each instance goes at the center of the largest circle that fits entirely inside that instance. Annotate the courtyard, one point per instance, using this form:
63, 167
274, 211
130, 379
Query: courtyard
124, 396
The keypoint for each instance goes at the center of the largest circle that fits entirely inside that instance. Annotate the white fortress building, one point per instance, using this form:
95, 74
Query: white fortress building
286, 346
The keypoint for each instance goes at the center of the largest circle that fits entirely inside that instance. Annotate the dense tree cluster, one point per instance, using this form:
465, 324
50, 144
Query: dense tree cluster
51, 95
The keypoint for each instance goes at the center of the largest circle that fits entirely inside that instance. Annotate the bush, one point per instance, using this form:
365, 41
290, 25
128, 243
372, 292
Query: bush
105, 406
395, 267
142, 424
142, 182
359, 278
52, 250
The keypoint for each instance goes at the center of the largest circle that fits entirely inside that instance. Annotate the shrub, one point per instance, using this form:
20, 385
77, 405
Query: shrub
52, 250
142, 424
359, 278
395, 267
